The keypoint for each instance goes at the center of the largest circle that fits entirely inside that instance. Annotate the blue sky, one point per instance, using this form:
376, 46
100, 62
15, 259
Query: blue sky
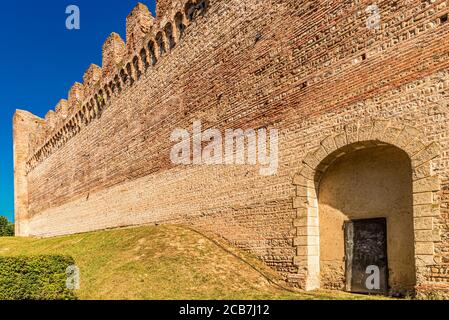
41, 59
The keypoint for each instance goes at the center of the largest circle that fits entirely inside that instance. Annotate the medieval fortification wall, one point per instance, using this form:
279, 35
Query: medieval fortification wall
310, 69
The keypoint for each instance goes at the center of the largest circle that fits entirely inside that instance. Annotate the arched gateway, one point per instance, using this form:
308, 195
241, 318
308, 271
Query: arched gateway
365, 206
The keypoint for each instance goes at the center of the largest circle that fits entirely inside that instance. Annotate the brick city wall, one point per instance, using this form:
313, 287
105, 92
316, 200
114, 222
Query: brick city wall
307, 68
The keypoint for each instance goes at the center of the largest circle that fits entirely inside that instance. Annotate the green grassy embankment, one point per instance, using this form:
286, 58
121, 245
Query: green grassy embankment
162, 262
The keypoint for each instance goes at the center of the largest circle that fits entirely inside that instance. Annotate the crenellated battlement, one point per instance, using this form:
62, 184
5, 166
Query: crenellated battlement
123, 64
138, 24
114, 50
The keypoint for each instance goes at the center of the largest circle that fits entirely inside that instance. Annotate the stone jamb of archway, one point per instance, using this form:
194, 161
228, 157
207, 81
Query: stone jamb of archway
355, 137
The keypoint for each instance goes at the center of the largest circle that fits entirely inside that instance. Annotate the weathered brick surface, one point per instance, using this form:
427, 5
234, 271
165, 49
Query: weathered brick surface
308, 68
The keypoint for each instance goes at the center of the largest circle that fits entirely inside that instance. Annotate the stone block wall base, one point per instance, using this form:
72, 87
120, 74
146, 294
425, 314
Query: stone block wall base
432, 291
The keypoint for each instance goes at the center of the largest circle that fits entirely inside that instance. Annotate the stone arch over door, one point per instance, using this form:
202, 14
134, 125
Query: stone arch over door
352, 138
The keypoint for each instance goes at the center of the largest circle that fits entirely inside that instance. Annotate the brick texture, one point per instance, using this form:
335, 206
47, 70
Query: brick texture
311, 69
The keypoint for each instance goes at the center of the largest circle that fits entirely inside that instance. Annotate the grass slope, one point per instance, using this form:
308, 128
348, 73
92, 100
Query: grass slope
160, 262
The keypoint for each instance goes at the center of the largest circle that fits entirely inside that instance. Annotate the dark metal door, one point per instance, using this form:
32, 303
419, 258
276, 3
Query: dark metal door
366, 256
